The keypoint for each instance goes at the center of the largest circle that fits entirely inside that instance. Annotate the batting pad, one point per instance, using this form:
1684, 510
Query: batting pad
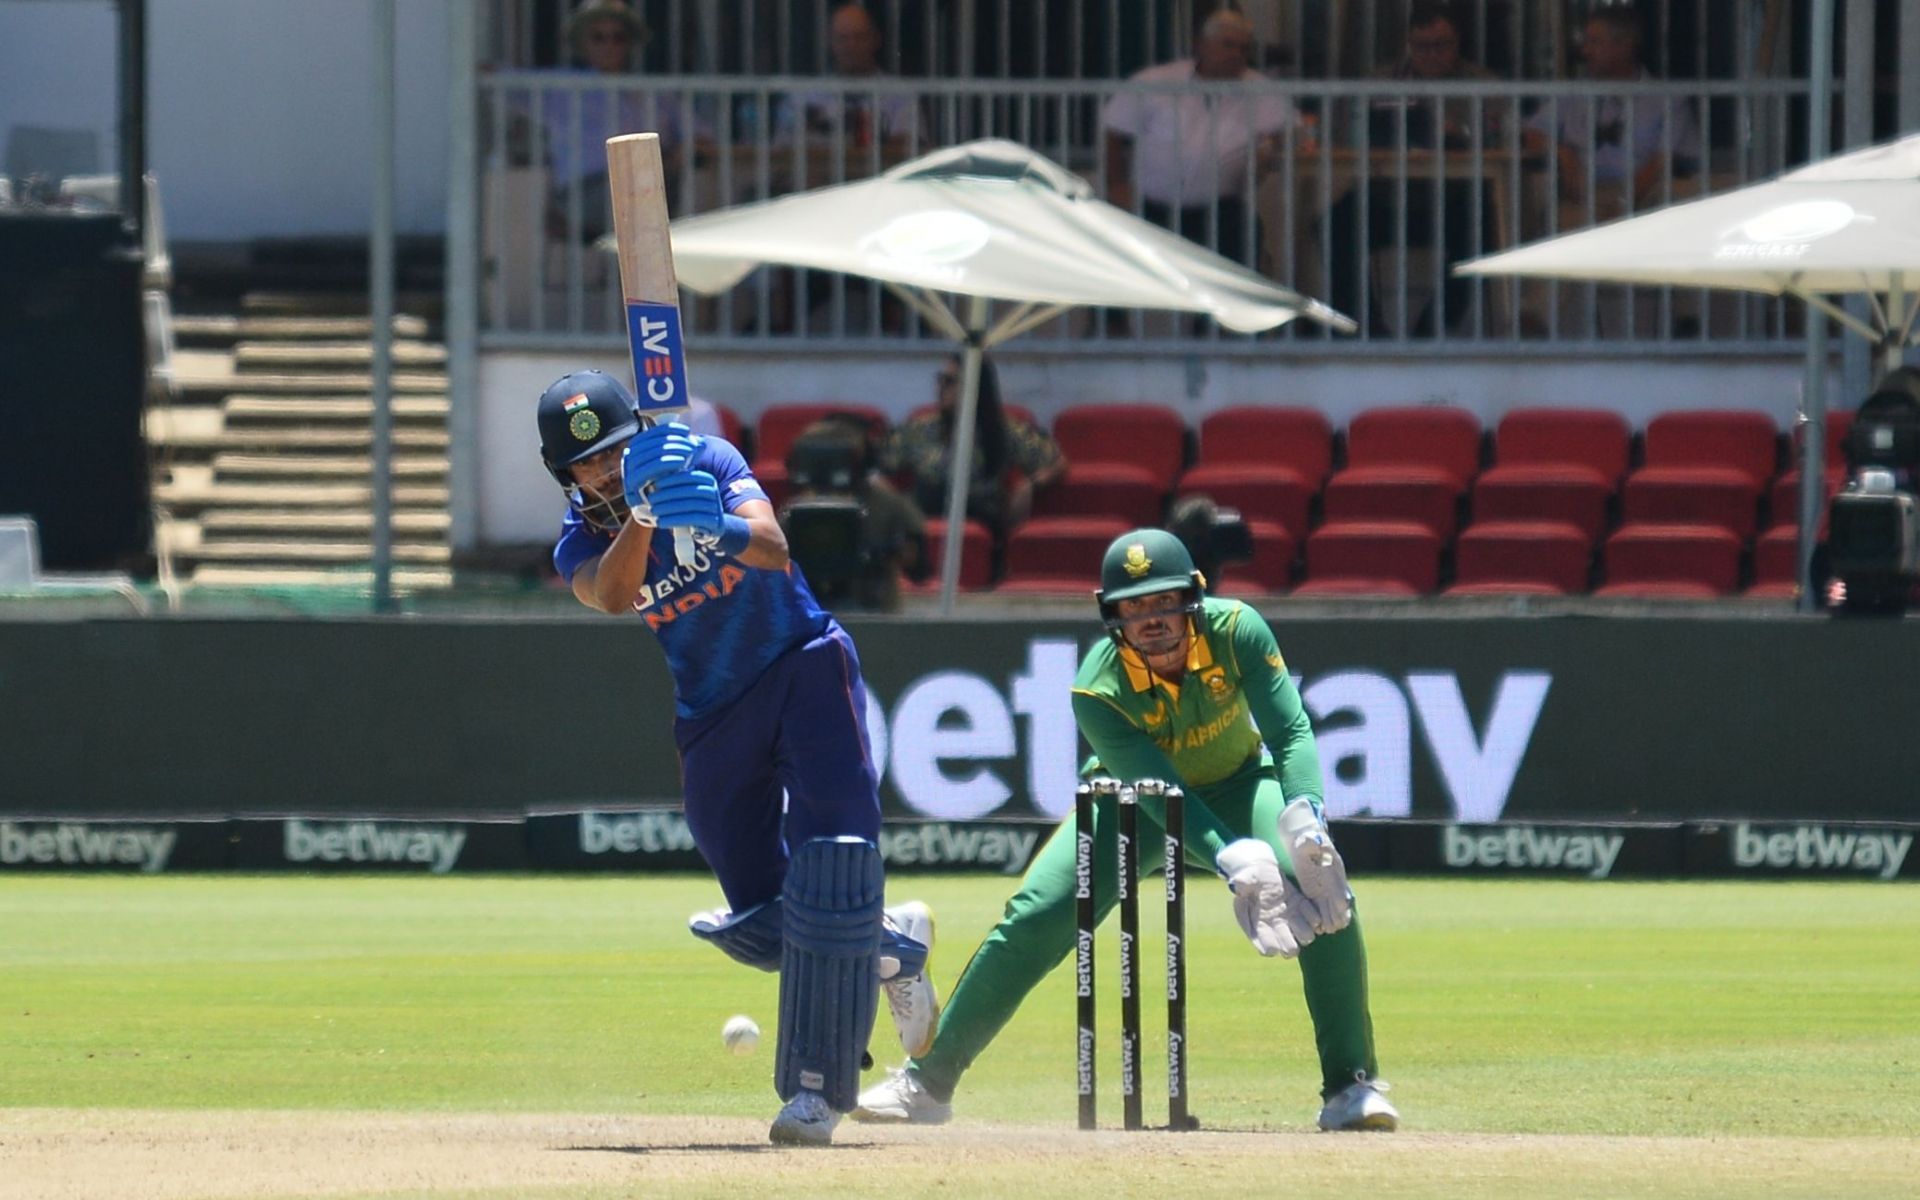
752, 937
828, 990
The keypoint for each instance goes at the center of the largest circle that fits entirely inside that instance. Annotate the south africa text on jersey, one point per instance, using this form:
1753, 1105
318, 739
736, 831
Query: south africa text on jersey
1200, 735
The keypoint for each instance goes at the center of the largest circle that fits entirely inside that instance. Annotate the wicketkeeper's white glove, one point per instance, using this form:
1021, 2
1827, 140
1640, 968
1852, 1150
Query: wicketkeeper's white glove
1317, 866
1273, 913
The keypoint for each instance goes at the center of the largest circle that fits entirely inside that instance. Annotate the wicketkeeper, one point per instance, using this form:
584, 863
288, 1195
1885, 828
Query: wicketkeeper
1185, 690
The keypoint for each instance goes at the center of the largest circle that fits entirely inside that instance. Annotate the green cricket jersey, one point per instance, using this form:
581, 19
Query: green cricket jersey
1207, 728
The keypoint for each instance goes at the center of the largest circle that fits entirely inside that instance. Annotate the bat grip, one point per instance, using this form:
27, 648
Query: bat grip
683, 547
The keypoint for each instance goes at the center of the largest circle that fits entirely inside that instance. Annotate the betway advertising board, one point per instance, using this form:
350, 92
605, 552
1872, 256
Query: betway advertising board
1472, 721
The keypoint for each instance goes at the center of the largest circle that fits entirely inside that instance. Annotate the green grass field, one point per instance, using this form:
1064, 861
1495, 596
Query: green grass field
1706, 1011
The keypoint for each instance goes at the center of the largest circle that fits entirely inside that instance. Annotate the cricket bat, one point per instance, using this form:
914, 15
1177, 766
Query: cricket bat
648, 287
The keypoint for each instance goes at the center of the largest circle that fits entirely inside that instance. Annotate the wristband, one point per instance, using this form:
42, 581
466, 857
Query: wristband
735, 533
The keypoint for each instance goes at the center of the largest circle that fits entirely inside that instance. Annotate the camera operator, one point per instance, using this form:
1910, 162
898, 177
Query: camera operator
1873, 541
851, 531
1213, 536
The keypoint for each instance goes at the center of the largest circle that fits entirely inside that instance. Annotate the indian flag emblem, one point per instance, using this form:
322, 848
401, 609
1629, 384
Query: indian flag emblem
578, 402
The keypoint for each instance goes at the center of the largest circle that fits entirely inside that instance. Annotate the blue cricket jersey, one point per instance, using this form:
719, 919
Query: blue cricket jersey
721, 623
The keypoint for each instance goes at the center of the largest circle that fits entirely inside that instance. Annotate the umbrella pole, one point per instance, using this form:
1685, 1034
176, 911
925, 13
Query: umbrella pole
1813, 456
1901, 309
960, 463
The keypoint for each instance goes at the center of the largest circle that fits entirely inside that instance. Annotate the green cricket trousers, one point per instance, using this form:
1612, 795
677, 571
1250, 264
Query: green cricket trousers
1038, 931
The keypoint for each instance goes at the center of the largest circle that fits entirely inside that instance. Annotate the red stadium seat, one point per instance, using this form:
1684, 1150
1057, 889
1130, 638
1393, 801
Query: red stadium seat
1723, 496
1783, 502
1372, 557
1776, 555
1273, 493
1571, 492
1741, 440
1405, 464
1433, 437
1707, 467
1298, 439
1426, 496
976, 557
1554, 464
1271, 569
780, 424
1140, 435
1097, 489
1058, 555
1533, 556
1667, 560
1776, 563
1590, 437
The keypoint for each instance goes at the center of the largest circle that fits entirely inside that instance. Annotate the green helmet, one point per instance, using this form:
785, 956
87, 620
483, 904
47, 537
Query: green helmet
1143, 562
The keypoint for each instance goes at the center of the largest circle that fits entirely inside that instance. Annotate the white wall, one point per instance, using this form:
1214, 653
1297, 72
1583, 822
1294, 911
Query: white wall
518, 503
259, 118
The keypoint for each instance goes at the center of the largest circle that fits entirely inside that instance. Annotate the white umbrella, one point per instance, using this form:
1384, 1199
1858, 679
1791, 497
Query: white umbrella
1849, 224
988, 220
1845, 225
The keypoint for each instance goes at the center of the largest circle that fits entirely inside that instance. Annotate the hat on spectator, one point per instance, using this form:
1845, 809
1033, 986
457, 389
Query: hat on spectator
591, 11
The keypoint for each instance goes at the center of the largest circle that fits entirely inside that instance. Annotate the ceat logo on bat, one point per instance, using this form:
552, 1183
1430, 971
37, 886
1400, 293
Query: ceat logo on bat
659, 363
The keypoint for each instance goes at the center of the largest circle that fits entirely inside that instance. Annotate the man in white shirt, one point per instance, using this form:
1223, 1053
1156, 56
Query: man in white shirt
1189, 161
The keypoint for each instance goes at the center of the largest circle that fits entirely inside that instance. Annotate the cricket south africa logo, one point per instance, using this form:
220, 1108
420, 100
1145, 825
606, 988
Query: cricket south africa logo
1138, 564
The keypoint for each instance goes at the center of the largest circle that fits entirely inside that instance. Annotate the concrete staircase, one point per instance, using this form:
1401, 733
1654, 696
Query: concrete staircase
264, 453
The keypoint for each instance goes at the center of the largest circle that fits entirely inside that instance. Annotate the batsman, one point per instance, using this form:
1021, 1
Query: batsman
1192, 690
770, 724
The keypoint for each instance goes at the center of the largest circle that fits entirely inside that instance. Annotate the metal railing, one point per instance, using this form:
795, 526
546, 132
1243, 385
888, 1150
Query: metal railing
1365, 200
1110, 39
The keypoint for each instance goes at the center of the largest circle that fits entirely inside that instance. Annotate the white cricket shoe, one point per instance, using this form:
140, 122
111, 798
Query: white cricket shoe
1360, 1107
901, 1097
806, 1120
912, 1000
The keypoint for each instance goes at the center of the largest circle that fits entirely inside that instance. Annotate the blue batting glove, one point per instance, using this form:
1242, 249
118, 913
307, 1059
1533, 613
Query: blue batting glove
653, 454
688, 500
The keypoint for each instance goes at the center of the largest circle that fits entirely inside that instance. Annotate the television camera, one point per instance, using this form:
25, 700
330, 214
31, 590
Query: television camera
1873, 543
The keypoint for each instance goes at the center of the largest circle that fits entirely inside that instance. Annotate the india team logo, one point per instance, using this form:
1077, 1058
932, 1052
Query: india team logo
582, 422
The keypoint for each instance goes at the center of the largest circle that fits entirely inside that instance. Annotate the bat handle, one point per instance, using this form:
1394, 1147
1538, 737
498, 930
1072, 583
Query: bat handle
683, 547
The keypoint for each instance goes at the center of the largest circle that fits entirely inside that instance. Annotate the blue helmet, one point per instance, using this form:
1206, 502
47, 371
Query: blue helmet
580, 415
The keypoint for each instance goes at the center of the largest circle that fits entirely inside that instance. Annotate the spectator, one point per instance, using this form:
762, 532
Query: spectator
870, 130
833, 459
1615, 155
1012, 458
576, 122
1432, 55
842, 112
1621, 146
1188, 160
